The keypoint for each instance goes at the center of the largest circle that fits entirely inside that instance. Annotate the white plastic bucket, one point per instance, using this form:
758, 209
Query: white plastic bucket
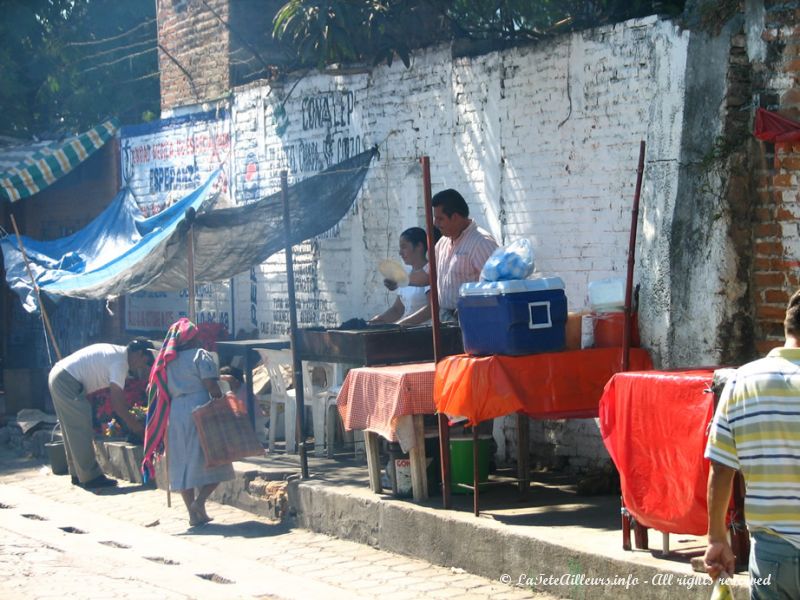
606, 295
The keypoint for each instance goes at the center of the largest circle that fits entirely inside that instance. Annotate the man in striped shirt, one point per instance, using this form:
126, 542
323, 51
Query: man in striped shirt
460, 255
756, 429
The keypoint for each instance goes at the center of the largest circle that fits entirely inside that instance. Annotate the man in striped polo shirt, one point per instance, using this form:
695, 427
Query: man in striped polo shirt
460, 255
756, 429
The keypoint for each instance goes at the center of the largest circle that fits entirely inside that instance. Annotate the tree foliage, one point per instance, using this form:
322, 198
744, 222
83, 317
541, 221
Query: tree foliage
67, 64
343, 31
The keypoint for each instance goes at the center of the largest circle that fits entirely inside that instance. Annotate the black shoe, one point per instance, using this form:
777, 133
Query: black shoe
74, 480
101, 481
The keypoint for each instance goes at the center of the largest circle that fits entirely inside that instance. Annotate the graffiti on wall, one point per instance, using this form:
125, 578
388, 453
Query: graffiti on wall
304, 136
161, 163
156, 311
327, 138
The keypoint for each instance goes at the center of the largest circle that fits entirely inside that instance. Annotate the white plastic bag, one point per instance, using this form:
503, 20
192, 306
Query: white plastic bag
512, 261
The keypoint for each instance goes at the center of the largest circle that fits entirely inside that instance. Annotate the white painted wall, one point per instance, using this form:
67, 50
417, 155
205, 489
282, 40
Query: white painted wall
541, 141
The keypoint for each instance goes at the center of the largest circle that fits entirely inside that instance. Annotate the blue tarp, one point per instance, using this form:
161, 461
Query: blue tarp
121, 251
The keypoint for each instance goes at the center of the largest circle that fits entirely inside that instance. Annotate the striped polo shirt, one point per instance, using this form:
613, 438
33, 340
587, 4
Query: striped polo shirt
756, 429
460, 261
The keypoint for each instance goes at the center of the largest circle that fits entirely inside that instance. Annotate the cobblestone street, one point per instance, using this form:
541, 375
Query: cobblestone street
59, 540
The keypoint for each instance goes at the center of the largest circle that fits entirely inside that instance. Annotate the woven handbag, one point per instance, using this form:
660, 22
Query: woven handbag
225, 431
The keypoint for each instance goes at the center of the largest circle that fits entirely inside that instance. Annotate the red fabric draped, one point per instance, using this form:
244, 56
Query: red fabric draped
771, 127
654, 426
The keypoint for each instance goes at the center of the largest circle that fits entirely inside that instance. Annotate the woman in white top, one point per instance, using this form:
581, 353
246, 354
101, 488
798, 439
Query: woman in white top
410, 298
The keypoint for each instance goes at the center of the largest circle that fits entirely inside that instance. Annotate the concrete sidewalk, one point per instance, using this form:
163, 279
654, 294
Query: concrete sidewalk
58, 540
553, 541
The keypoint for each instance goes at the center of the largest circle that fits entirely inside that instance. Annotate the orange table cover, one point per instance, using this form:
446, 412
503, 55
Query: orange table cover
555, 385
654, 425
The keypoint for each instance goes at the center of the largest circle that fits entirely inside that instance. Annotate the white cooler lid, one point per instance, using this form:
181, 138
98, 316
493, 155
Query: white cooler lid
512, 286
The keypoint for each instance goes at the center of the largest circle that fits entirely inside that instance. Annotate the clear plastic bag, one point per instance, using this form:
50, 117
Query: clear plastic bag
512, 261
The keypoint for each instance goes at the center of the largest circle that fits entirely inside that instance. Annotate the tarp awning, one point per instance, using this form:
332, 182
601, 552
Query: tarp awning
121, 251
44, 165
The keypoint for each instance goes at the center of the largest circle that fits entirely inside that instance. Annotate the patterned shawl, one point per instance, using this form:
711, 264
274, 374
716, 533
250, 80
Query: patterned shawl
158, 399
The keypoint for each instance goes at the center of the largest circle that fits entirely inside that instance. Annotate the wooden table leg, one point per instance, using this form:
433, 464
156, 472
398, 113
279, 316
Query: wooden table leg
372, 443
639, 531
331, 415
640, 536
419, 477
523, 454
626, 526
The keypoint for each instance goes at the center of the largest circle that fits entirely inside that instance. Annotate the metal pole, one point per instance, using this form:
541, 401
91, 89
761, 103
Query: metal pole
626, 332
45, 318
297, 364
444, 427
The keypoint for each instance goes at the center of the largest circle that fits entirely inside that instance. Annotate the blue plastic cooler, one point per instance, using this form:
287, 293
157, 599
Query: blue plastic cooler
520, 316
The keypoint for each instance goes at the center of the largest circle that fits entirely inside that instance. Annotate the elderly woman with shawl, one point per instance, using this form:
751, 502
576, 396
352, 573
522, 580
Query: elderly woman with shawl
183, 377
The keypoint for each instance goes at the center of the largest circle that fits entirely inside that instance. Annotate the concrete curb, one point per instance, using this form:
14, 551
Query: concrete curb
481, 546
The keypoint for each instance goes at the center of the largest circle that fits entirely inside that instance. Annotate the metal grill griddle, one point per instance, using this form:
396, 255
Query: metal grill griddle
379, 345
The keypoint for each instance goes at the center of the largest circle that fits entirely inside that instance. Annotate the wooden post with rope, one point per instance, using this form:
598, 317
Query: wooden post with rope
45, 318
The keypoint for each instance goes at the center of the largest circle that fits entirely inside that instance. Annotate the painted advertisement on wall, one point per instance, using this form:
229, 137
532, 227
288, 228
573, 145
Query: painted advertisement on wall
161, 163
311, 130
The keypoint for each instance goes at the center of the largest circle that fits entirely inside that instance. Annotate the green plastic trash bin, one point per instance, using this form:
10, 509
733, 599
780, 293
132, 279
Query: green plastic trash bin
461, 462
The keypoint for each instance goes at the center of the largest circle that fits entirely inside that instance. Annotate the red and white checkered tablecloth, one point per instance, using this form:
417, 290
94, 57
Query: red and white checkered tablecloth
375, 398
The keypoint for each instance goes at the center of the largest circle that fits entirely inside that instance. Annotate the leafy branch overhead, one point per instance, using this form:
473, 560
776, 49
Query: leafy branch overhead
376, 31
66, 65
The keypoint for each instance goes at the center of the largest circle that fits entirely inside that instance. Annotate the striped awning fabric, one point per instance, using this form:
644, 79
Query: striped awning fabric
42, 166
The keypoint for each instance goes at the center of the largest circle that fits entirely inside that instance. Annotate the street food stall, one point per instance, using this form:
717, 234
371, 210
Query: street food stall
375, 345
550, 385
351, 349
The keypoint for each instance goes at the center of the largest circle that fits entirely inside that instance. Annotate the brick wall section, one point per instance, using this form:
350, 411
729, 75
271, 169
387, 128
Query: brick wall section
196, 40
776, 231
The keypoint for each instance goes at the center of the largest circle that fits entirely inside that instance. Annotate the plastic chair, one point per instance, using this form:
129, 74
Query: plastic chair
273, 360
323, 401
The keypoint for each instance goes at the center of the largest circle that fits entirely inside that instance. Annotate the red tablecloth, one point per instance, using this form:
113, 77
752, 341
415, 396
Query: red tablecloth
554, 385
374, 398
654, 425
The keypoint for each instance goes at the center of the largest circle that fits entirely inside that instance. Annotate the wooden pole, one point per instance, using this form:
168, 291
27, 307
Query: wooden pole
444, 426
640, 536
190, 214
297, 364
45, 318
626, 331
166, 467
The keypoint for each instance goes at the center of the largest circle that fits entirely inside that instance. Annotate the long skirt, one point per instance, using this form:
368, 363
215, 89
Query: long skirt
187, 465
